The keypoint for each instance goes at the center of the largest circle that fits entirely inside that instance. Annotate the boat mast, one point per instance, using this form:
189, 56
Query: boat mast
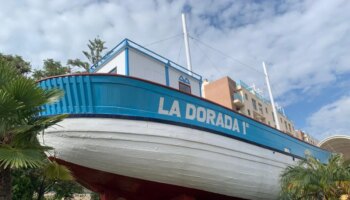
187, 47
271, 97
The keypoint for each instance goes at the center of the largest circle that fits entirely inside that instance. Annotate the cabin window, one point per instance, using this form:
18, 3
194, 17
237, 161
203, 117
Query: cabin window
113, 71
184, 88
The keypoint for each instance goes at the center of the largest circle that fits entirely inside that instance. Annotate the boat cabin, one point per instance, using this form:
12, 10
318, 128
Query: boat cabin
131, 59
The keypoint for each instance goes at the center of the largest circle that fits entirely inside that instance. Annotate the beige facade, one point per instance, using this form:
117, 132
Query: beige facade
252, 104
244, 99
306, 137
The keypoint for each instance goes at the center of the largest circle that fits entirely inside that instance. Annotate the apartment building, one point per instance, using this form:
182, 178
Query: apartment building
306, 137
246, 100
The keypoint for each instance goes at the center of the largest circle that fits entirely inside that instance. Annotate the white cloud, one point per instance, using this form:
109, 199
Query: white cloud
305, 43
331, 119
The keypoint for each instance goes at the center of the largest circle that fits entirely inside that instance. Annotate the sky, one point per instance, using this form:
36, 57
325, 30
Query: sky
304, 43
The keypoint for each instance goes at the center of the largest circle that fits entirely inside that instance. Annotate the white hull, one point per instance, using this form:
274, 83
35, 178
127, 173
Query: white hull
170, 154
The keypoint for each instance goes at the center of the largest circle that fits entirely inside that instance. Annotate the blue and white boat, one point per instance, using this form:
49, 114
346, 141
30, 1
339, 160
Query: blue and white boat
138, 128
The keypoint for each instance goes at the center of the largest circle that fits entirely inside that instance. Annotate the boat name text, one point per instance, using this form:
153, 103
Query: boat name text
201, 114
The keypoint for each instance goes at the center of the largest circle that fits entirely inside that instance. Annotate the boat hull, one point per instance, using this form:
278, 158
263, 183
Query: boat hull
141, 130
167, 154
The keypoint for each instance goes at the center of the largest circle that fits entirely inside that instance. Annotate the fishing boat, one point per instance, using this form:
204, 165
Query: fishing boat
138, 128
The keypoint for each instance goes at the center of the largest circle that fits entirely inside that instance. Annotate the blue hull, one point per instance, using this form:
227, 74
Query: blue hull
106, 95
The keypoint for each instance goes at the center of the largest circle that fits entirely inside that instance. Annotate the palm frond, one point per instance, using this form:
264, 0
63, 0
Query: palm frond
27, 134
55, 171
53, 95
27, 91
20, 157
8, 104
311, 179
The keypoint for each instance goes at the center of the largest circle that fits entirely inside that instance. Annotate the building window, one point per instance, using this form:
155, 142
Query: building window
261, 108
273, 117
281, 120
246, 96
266, 110
285, 124
184, 88
248, 112
269, 123
254, 104
113, 71
290, 129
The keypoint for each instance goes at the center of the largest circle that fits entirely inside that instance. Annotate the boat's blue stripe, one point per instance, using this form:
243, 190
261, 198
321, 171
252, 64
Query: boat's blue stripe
130, 97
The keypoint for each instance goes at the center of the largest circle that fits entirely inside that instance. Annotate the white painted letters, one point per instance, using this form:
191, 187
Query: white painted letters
190, 111
220, 120
228, 122
202, 114
235, 126
210, 116
175, 109
160, 107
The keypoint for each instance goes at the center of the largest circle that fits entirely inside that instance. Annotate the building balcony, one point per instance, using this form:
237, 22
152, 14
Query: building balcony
259, 117
238, 100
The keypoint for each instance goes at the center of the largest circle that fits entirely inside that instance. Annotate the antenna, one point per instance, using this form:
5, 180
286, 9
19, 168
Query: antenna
271, 97
187, 47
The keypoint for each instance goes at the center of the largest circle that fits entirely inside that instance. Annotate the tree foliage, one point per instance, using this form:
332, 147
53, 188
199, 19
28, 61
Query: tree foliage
23, 67
51, 68
313, 180
80, 64
66, 189
96, 48
35, 182
21, 101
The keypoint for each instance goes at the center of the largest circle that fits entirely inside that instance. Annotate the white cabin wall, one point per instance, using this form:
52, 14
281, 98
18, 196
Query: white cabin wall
146, 67
174, 76
117, 61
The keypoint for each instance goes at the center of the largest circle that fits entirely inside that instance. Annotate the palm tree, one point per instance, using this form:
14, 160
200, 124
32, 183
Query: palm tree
21, 101
313, 180
96, 48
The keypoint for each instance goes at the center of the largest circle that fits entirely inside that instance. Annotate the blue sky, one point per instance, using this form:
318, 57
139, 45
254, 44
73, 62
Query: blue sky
305, 44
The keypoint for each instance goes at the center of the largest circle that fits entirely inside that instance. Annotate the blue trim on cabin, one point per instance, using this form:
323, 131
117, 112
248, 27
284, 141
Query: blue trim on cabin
135, 98
149, 53
167, 74
127, 61
108, 56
